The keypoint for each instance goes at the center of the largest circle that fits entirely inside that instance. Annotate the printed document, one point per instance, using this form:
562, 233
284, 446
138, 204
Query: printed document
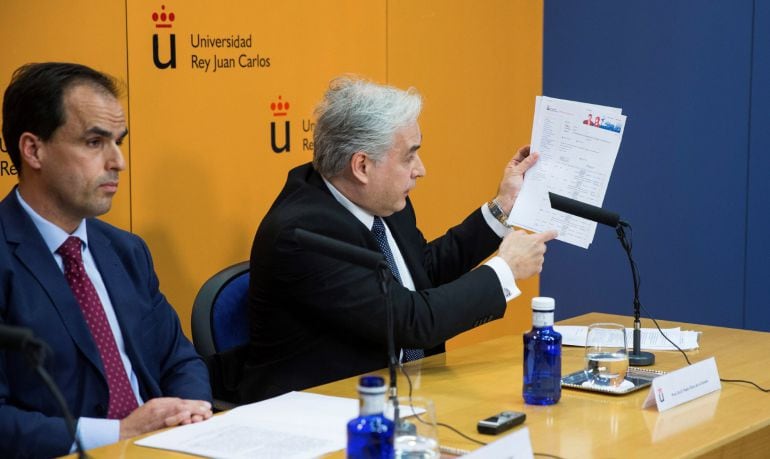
295, 425
650, 339
577, 143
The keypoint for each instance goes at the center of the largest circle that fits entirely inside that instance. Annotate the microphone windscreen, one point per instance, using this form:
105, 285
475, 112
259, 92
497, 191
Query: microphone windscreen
583, 210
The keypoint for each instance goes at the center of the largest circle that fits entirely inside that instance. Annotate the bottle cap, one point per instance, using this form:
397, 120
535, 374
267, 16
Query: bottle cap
543, 304
371, 385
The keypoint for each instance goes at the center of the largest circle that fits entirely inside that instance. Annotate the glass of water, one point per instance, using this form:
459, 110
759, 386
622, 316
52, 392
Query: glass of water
416, 436
606, 354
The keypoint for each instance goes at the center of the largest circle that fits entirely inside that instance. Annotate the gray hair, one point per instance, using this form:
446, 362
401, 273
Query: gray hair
358, 115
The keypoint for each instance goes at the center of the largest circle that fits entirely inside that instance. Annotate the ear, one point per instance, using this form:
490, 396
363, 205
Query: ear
30, 147
360, 165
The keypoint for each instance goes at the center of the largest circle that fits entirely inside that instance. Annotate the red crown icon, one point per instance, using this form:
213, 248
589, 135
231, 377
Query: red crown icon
165, 19
279, 108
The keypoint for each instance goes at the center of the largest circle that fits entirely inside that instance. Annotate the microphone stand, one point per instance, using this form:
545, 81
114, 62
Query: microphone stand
383, 272
35, 351
637, 357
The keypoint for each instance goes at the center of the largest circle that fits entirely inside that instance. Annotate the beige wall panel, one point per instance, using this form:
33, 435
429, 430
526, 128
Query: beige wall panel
86, 32
478, 65
205, 171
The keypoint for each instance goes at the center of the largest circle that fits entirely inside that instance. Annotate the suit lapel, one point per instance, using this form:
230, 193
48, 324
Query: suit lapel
33, 253
328, 200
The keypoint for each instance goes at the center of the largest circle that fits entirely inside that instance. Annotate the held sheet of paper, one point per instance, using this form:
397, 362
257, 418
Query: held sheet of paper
295, 425
577, 143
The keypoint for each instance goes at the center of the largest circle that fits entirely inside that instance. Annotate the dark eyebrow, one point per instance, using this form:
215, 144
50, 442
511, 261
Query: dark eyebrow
105, 133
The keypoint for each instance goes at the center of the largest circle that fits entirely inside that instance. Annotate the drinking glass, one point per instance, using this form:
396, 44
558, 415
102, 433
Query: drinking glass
416, 436
606, 354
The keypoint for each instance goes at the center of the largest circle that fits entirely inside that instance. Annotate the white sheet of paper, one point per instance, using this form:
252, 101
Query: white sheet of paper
576, 160
651, 339
516, 445
294, 425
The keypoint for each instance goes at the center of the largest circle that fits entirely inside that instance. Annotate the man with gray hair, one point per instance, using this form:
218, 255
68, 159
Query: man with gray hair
315, 319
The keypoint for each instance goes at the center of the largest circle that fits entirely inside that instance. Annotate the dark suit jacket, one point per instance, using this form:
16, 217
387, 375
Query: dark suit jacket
35, 294
315, 319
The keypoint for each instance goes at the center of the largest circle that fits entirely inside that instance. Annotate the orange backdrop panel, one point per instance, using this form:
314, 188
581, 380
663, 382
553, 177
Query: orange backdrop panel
205, 167
478, 65
87, 32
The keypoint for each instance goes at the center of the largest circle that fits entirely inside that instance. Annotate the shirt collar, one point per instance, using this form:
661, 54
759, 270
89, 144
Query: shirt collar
53, 236
363, 216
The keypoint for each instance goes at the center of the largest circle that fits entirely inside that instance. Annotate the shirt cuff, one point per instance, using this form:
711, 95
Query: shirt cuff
499, 229
505, 276
94, 432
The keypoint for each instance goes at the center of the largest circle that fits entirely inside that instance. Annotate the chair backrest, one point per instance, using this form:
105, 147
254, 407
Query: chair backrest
220, 319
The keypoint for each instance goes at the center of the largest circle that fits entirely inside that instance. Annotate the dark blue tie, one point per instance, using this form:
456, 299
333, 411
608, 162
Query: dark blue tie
378, 231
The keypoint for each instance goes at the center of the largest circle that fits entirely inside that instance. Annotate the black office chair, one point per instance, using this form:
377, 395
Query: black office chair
220, 329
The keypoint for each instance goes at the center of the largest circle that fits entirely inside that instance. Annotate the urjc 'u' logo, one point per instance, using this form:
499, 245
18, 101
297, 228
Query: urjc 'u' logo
279, 109
163, 21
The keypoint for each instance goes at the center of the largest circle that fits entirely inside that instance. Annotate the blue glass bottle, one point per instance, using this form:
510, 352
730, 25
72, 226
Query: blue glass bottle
542, 356
370, 435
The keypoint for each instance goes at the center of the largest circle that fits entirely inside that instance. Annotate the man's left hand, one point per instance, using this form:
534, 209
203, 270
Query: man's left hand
513, 177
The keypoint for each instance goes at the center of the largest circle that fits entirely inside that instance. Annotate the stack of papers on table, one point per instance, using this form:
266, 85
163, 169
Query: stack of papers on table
295, 425
651, 338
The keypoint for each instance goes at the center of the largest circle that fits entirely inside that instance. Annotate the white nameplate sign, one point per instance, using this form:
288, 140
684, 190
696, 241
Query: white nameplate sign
683, 385
512, 446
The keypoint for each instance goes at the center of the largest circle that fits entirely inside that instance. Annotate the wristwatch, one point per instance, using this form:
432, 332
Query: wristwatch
498, 213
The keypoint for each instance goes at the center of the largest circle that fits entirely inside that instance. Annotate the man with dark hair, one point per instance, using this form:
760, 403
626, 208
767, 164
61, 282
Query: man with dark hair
84, 287
315, 319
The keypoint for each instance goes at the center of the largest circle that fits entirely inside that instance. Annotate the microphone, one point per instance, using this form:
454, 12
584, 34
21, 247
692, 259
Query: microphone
636, 357
583, 210
21, 339
375, 261
339, 250
16, 338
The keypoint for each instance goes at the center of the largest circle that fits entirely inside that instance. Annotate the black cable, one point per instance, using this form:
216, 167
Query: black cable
35, 352
409, 381
627, 245
690, 363
63, 404
744, 381
664, 335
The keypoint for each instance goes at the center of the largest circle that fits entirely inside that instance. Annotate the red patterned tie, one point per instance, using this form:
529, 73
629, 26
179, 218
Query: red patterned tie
122, 398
